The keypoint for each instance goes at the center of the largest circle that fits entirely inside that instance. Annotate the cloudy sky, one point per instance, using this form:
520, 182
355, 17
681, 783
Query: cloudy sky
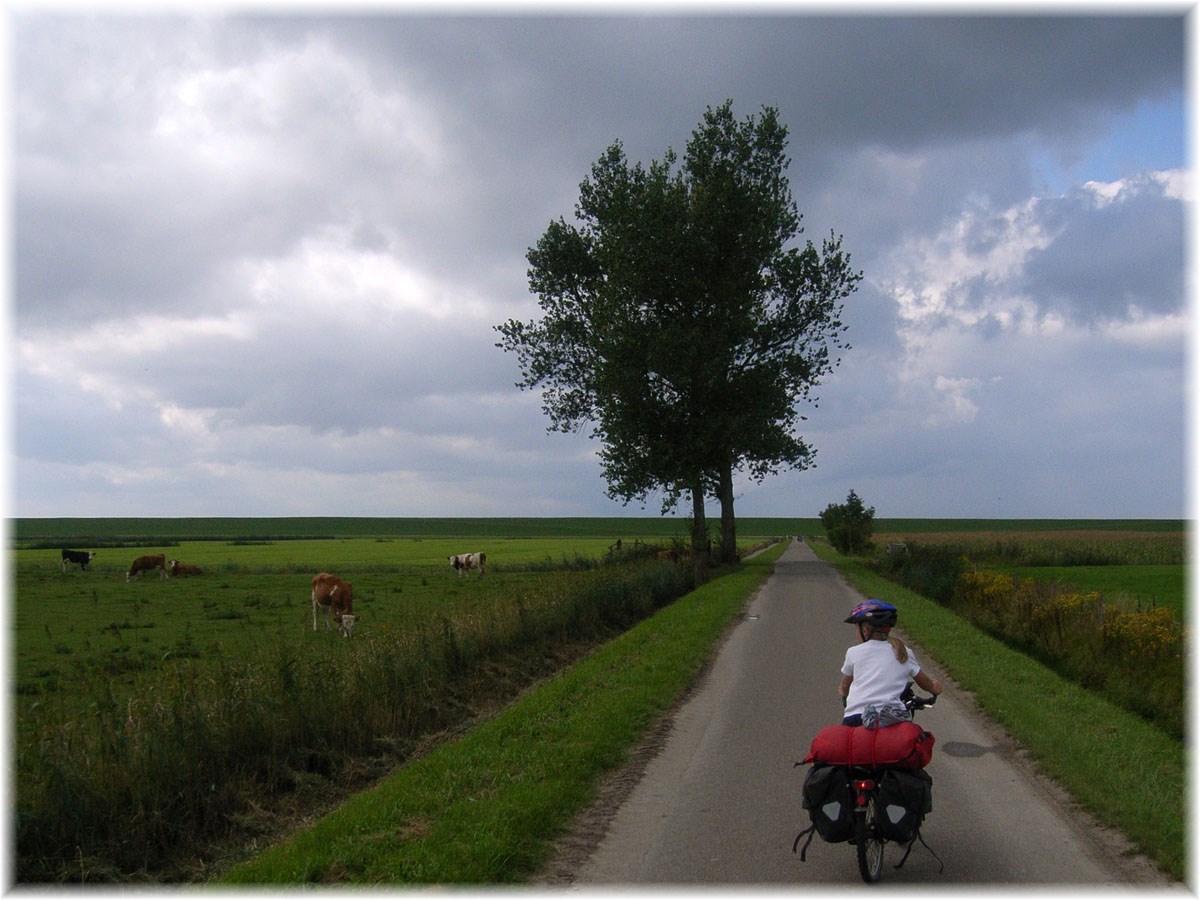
257, 260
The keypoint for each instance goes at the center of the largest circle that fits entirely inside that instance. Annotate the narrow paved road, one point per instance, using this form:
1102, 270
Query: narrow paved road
720, 804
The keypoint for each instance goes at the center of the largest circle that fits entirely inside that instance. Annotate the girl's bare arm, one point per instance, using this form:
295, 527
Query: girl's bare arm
925, 683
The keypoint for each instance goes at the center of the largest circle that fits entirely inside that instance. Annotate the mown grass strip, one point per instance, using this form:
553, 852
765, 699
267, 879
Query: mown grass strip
485, 809
1124, 771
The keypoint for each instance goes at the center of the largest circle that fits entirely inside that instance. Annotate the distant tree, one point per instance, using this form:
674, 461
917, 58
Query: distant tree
679, 321
850, 525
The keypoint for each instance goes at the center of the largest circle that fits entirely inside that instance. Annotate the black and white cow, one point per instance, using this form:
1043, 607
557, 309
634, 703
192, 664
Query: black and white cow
83, 557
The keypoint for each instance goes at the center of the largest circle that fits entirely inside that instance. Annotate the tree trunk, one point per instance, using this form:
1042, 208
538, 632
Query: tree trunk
699, 537
729, 552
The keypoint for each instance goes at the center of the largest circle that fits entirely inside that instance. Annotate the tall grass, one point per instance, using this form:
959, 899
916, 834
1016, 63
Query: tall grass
132, 787
1136, 657
1087, 547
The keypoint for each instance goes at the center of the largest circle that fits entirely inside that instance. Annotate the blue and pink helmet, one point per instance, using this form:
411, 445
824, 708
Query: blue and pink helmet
873, 612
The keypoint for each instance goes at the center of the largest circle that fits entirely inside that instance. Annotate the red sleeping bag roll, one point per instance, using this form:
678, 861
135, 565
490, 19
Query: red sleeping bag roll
903, 745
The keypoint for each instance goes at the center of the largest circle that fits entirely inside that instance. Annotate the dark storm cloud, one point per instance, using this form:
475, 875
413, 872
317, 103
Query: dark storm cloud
1110, 256
549, 93
899, 80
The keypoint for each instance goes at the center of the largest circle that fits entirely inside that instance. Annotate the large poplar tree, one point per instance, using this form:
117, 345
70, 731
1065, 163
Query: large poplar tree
681, 320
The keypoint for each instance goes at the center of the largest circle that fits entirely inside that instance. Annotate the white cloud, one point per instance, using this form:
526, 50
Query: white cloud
326, 275
969, 269
1174, 185
1144, 330
288, 107
955, 399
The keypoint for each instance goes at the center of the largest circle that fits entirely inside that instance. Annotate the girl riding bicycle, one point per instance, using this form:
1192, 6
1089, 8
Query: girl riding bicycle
877, 670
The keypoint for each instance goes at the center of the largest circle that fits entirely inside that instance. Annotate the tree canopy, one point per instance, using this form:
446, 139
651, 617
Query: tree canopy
681, 320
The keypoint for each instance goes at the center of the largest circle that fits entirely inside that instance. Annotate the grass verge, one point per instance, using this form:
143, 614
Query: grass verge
486, 808
1120, 768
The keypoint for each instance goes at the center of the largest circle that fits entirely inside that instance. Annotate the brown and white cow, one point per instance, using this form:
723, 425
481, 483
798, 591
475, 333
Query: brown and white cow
463, 562
674, 554
83, 557
145, 564
175, 568
336, 597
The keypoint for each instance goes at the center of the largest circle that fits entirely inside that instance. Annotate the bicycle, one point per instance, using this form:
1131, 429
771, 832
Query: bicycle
881, 802
870, 832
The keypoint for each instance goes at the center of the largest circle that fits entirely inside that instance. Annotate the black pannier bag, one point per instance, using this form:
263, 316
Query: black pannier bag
905, 796
830, 802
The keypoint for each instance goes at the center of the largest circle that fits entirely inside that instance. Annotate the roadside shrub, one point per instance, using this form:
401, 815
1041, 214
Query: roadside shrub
931, 571
849, 526
1149, 637
1062, 624
1149, 647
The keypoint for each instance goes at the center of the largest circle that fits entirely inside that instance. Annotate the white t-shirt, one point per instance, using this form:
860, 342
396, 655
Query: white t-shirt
878, 676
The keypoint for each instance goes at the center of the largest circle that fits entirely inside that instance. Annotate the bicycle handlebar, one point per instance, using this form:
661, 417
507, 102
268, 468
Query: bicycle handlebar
910, 699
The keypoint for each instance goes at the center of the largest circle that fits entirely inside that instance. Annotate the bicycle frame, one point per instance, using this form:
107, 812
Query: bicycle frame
868, 843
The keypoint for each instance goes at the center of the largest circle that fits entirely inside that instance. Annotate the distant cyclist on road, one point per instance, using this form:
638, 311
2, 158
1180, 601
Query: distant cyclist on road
877, 670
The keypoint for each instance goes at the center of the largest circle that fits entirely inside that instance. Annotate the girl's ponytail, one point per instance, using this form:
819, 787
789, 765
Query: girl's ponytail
899, 649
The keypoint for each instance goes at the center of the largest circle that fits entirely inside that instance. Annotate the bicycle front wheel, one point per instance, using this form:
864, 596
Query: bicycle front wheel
868, 843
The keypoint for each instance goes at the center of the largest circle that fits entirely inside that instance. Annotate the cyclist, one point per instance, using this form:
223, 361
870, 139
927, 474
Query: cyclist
878, 669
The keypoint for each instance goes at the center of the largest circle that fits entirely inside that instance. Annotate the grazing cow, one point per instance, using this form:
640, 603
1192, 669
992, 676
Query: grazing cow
145, 564
337, 599
83, 557
674, 554
463, 562
175, 568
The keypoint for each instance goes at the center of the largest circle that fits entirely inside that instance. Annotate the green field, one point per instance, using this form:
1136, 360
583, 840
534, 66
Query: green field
1135, 586
73, 626
148, 713
82, 530
300, 555
99, 660
255, 589
59, 531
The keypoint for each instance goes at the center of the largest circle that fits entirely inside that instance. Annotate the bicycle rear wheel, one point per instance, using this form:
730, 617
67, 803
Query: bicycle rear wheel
868, 843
